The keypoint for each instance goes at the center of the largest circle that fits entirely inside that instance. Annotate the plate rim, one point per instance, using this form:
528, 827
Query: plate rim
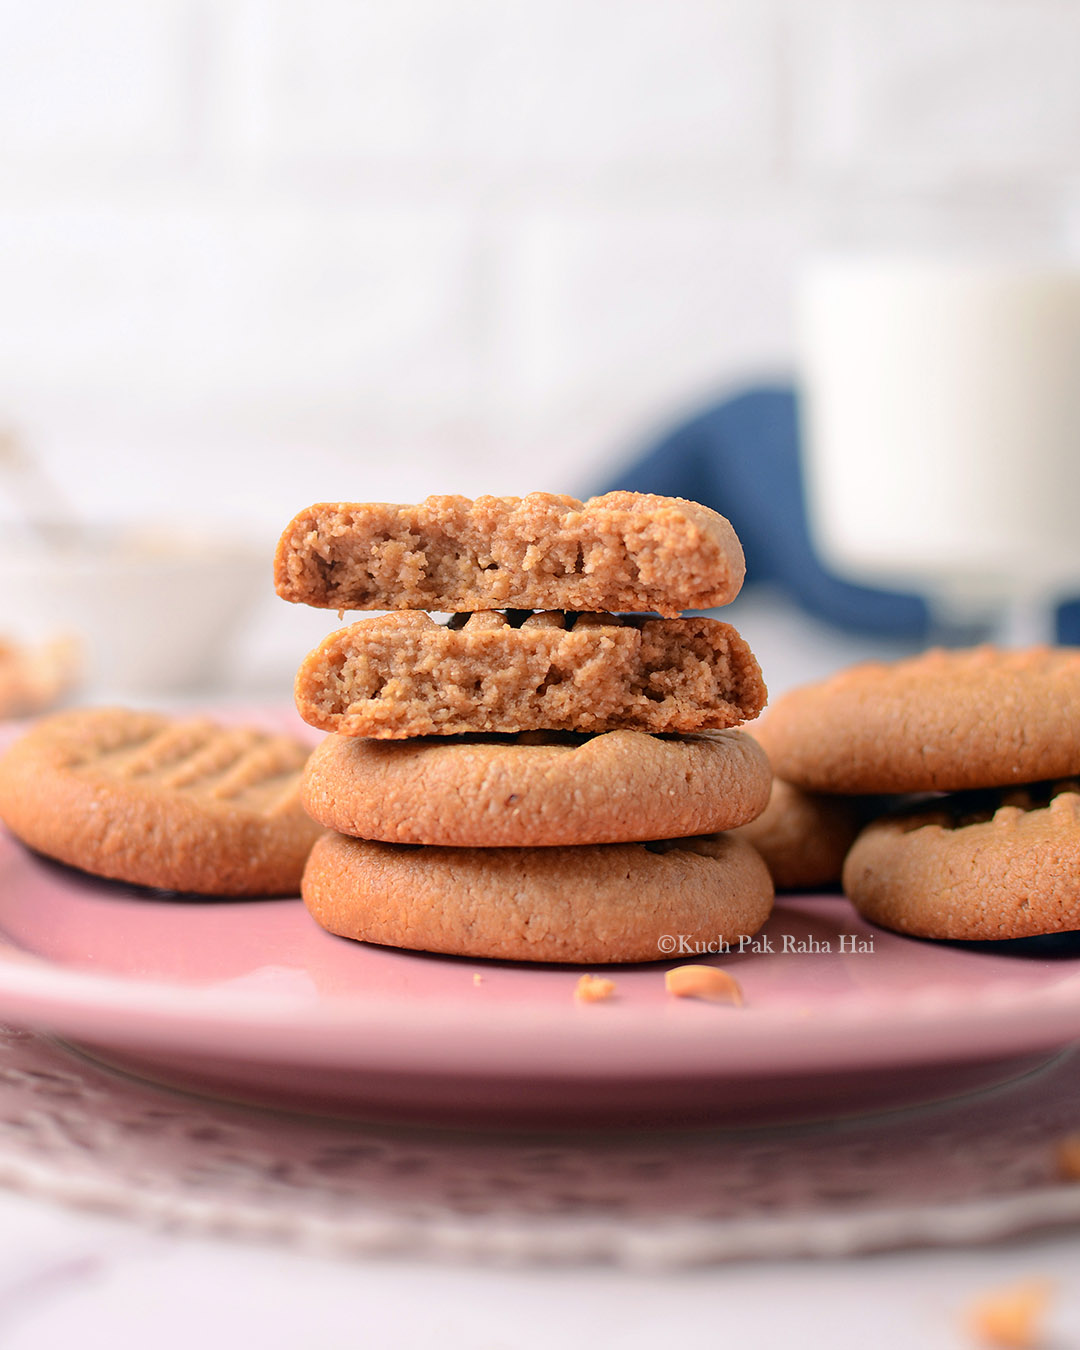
683, 1036
319, 1027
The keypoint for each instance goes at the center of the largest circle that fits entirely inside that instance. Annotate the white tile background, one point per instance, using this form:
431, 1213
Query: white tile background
255, 251
259, 252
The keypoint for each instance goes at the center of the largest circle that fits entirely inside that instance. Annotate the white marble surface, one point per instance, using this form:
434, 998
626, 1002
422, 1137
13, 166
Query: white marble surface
68, 1278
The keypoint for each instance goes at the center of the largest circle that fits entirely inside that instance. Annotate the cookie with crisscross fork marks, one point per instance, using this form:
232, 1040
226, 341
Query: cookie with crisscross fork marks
974, 865
182, 805
943, 721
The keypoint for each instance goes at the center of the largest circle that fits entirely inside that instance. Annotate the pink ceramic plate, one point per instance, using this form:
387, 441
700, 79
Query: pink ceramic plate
251, 999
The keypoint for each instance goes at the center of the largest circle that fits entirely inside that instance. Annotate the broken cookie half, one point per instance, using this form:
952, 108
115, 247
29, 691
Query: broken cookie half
402, 675
622, 551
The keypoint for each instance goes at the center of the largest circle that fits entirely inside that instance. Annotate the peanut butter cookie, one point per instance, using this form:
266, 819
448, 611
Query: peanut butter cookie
803, 837
536, 790
181, 805
404, 675
595, 905
625, 550
978, 866
943, 721
33, 679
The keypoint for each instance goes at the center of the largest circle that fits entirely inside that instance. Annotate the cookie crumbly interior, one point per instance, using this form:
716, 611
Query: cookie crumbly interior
624, 550
403, 675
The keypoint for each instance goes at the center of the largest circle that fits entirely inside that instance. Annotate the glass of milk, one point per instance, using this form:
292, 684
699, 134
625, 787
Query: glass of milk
941, 424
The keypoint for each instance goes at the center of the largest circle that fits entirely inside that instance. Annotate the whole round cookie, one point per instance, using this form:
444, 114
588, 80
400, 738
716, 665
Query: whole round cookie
592, 905
539, 788
182, 805
803, 836
942, 721
977, 867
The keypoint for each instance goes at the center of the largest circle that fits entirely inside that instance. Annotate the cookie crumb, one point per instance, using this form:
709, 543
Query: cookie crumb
1068, 1158
593, 989
706, 982
1012, 1317
477, 978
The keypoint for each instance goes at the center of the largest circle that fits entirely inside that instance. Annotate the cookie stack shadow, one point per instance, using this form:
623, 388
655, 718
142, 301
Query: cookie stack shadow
548, 775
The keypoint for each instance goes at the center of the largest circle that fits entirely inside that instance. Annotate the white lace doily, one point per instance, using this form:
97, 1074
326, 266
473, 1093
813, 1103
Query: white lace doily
970, 1170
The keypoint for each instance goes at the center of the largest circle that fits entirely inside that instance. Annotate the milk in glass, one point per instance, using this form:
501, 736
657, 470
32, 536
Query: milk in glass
941, 407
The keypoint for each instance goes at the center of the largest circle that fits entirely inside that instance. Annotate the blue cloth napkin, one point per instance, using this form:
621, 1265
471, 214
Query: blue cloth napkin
741, 457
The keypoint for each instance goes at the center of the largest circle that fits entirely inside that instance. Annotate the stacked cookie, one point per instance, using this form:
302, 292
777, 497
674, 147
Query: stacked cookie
990, 846
803, 837
541, 777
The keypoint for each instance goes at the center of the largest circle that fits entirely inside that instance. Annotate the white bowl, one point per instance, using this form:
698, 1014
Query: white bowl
155, 609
